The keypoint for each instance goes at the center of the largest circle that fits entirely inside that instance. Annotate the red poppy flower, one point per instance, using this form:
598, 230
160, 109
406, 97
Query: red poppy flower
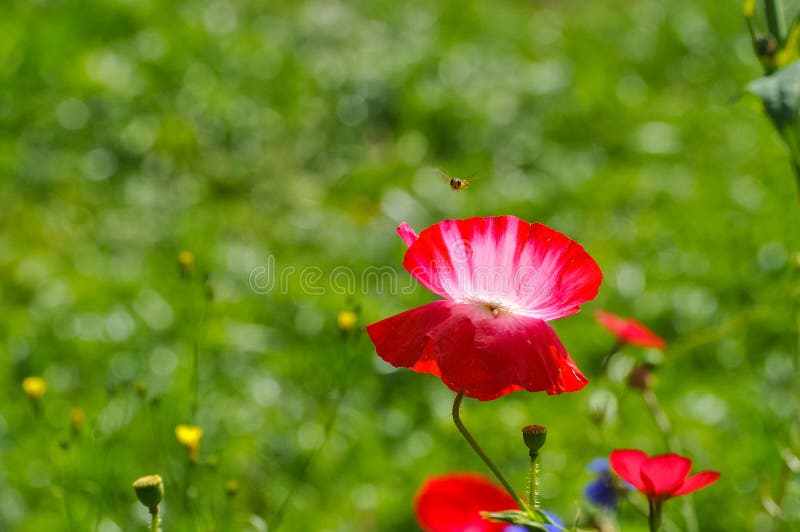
502, 279
629, 330
453, 503
659, 477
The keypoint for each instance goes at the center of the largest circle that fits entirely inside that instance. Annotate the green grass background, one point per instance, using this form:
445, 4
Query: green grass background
306, 131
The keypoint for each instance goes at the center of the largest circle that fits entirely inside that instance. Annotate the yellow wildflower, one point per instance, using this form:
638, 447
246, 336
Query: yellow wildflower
76, 417
189, 436
186, 263
34, 387
346, 320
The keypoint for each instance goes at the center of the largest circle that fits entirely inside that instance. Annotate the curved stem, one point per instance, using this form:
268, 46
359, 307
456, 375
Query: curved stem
619, 344
662, 421
477, 448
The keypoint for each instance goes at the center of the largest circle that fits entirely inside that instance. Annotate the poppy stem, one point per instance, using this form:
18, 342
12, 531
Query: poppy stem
154, 520
619, 344
533, 484
483, 456
661, 420
655, 515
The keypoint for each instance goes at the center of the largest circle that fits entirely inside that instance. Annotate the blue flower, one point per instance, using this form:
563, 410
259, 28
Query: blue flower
603, 491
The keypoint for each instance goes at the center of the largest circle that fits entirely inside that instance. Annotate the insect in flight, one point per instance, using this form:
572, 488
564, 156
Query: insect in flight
456, 183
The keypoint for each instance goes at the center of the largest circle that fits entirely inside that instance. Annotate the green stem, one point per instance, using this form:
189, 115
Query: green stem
154, 519
655, 516
533, 483
195, 378
619, 344
661, 420
483, 456
775, 19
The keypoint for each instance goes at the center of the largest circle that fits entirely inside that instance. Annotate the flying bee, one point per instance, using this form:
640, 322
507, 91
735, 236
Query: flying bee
456, 183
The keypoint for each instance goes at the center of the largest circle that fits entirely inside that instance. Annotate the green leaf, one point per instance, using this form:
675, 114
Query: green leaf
532, 520
780, 93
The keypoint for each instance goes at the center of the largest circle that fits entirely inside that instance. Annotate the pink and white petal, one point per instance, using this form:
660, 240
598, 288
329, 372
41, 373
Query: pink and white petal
526, 352
404, 339
555, 275
407, 233
469, 260
627, 463
665, 473
696, 482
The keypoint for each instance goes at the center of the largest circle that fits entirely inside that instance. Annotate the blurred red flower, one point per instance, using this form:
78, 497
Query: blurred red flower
502, 279
453, 503
629, 330
659, 477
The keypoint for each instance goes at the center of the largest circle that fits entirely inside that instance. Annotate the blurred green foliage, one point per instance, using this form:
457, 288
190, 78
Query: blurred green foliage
303, 132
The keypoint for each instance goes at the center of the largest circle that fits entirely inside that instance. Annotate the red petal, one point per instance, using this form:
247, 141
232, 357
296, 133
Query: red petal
663, 474
404, 340
629, 330
627, 463
696, 482
522, 351
461, 366
452, 503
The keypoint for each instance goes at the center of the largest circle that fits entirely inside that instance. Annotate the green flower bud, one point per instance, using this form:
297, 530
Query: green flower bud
150, 491
534, 437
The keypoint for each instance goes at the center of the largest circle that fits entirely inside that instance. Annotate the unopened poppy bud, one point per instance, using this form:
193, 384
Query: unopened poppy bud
346, 320
150, 491
140, 388
34, 387
534, 437
231, 488
186, 263
641, 378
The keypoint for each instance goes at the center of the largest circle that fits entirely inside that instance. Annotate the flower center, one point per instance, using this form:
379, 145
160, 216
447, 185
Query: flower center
495, 307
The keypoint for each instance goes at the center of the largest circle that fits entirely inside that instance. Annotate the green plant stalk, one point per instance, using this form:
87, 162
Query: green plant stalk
654, 518
483, 456
775, 19
533, 483
619, 344
661, 420
154, 519
195, 377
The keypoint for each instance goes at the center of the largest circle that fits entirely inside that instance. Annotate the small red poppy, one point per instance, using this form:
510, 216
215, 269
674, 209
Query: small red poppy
453, 503
659, 477
629, 330
502, 279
